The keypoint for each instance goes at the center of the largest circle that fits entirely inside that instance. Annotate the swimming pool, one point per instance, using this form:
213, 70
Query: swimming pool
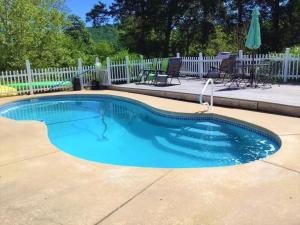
120, 131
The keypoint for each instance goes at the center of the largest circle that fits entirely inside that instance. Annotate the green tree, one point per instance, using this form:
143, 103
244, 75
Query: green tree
32, 30
159, 28
197, 25
76, 28
292, 25
103, 50
80, 43
295, 50
219, 41
98, 15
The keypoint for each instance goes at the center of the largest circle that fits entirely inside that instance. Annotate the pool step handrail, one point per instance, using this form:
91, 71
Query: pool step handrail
209, 105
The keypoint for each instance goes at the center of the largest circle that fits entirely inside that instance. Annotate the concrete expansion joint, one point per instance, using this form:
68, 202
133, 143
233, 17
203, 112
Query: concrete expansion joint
133, 197
280, 166
26, 159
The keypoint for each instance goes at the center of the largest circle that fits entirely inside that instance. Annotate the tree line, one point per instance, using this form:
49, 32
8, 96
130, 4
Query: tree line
44, 31
164, 27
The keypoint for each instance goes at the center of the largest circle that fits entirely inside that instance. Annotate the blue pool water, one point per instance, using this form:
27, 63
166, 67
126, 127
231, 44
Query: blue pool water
118, 131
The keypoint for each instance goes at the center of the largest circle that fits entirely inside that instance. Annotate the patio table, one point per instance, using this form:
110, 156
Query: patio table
242, 69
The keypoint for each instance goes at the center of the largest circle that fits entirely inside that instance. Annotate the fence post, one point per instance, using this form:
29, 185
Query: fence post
286, 64
200, 65
127, 69
240, 54
141, 66
97, 60
97, 70
177, 55
241, 61
142, 62
29, 74
108, 70
80, 71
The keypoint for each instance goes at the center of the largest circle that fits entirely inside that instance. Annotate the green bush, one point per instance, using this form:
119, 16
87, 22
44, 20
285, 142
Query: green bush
295, 50
123, 53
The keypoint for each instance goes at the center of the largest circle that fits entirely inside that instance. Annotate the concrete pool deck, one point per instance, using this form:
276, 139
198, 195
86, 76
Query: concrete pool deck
40, 184
283, 99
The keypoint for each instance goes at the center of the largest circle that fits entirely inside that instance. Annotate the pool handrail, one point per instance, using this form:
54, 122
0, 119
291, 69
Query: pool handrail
209, 105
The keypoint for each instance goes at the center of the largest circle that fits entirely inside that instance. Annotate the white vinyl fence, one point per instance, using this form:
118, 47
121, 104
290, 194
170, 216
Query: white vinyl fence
30, 81
284, 66
128, 71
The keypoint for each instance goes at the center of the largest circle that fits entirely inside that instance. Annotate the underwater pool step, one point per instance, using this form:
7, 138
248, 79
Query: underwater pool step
198, 133
196, 143
200, 153
172, 123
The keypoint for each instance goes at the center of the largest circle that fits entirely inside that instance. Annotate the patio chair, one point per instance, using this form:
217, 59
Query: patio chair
238, 75
162, 70
224, 70
171, 72
265, 74
147, 75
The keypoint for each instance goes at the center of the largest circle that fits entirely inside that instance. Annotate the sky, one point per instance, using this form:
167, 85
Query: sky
81, 7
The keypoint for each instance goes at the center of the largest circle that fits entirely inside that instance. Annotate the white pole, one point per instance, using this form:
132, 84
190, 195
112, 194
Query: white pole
29, 76
286, 64
200, 65
177, 55
108, 70
80, 71
241, 60
142, 63
240, 55
97, 70
127, 69
141, 66
97, 60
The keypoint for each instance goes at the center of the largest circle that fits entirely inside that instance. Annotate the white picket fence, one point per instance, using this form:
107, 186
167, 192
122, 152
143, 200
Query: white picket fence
32, 81
284, 66
128, 71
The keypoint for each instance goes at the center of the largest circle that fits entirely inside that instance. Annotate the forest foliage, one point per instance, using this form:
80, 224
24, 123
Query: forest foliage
44, 31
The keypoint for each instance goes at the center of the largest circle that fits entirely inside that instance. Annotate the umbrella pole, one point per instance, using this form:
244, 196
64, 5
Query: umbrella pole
252, 69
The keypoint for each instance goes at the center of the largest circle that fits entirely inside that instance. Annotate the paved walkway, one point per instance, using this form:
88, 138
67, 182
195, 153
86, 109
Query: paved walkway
283, 94
42, 185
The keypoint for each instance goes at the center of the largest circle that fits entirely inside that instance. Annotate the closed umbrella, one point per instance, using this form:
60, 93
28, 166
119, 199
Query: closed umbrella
253, 41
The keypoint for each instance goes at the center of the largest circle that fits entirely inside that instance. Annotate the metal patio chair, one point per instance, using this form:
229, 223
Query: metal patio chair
146, 76
225, 69
172, 72
264, 73
240, 77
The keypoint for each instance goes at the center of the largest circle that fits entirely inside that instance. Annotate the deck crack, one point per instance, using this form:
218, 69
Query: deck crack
283, 167
133, 197
26, 159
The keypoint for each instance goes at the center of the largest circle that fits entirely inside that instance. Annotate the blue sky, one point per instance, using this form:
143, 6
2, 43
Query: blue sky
81, 7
